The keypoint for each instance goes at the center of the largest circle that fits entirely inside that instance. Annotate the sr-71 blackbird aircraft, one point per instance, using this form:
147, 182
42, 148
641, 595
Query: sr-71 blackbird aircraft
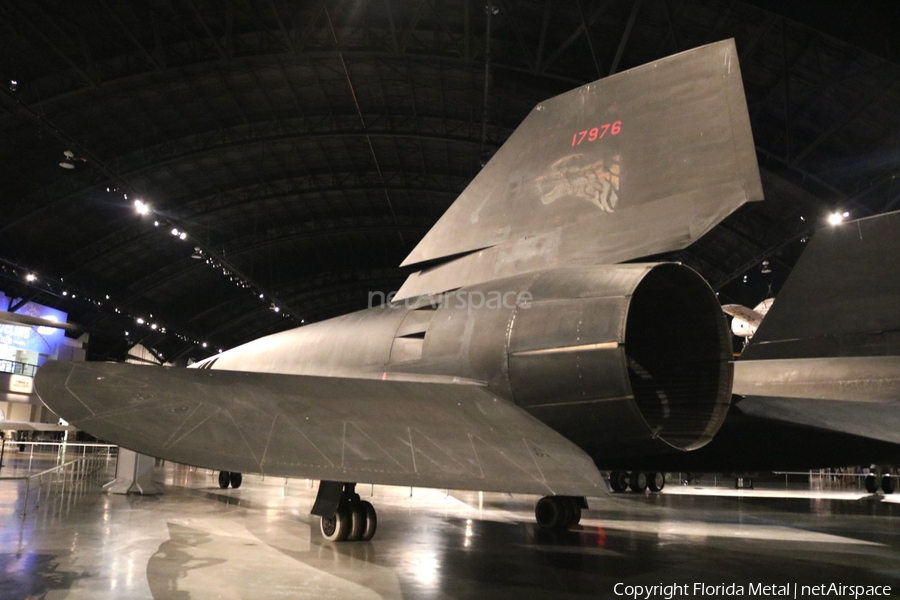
521, 353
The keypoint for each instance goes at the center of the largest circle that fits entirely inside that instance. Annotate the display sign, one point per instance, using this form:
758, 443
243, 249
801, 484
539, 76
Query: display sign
43, 340
21, 384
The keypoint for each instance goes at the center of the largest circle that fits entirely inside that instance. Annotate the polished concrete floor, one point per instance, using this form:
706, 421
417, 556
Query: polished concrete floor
197, 541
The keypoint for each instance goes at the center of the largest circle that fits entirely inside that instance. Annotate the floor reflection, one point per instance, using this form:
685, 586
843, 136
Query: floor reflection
198, 541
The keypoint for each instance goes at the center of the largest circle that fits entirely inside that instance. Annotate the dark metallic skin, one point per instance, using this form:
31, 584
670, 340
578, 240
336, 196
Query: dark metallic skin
332, 428
682, 161
828, 353
582, 353
519, 355
819, 384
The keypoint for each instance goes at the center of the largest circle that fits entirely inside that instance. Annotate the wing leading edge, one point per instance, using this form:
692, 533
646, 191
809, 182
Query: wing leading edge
340, 429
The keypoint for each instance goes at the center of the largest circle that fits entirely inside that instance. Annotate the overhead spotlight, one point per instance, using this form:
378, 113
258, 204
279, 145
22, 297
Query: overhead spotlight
141, 207
140, 321
198, 253
175, 232
261, 296
835, 218
745, 279
30, 277
13, 85
182, 236
153, 326
203, 344
156, 223
766, 269
845, 214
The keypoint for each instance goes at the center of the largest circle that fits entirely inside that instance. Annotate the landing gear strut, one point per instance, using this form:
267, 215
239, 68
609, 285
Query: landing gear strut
344, 517
559, 512
231, 478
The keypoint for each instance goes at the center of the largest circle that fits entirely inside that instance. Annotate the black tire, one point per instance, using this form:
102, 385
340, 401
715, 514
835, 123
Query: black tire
236, 480
568, 511
888, 484
371, 521
357, 522
576, 512
656, 481
638, 481
336, 527
618, 481
224, 479
550, 513
871, 484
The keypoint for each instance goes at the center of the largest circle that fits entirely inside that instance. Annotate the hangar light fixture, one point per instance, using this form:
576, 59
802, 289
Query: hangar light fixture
836, 218
141, 207
30, 277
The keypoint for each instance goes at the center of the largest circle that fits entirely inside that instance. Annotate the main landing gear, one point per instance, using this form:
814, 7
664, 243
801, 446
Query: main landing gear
888, 483
559, 512
231, 478
344, 517
637, 481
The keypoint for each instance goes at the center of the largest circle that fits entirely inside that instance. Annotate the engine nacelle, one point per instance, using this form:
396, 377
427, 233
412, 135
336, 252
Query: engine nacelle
623, 360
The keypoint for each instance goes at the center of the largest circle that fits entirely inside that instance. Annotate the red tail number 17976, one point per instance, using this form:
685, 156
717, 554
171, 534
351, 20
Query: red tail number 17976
595, 133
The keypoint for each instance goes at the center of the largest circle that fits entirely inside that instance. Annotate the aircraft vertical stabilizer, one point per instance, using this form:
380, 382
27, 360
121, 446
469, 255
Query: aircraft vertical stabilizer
643, 162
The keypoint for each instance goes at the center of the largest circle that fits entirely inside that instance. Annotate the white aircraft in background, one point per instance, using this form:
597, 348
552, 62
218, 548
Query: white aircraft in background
747, 320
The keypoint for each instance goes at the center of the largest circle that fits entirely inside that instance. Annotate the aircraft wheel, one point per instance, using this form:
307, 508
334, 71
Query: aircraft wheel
871, 484
236, 480
336, 527
357, 522
638, 481
657, 481
371, 521
224, 479
576, 512
551, 513
887, 484
618, 481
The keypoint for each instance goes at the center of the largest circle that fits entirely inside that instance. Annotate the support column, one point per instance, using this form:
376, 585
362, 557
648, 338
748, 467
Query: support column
134, 475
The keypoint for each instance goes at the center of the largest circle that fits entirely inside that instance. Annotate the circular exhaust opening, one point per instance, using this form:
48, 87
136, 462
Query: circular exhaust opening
678, 351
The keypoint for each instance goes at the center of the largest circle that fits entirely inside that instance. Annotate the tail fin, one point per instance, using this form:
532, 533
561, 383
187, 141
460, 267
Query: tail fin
842, 298
643, 162
827, 354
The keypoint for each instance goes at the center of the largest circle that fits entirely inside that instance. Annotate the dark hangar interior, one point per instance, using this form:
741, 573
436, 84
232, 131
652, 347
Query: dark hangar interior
291, 154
